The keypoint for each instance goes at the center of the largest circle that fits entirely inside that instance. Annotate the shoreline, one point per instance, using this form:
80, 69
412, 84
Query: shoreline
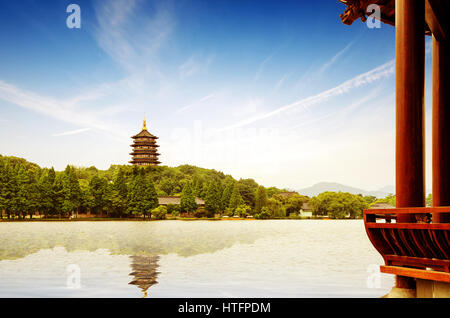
168, 219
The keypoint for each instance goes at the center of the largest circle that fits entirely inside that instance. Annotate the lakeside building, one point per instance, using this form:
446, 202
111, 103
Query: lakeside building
145, 152
381, 205
306, 210
167, 199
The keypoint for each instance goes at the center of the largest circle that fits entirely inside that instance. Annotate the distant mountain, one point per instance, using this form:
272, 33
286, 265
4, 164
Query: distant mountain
336, 187
388, 189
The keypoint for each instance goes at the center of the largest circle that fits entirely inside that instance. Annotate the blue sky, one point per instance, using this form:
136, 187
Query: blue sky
278, 91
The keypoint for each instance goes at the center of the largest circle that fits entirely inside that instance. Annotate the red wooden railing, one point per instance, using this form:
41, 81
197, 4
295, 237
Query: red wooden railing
419, 249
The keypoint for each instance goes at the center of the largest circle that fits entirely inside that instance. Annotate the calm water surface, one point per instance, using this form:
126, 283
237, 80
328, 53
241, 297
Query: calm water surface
269, 258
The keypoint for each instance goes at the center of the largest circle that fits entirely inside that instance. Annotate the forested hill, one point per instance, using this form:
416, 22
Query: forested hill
132, 191
167, 180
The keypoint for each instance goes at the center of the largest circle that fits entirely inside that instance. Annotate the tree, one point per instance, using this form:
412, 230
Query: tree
135, 194
275, 208
264, 214
338, 205
226, 196
150, 197
159, 213
243, 210
8, 189
294, 203
389, 199
236, 199
247, 189
58, 195
198, 187
173, 209
187, 201
369, 199
119, 194
45, 187
212, 199
21, 195
2, 187
98, 194
429, 200
142, 196
271, 191
32, 193
261, 199
71, 191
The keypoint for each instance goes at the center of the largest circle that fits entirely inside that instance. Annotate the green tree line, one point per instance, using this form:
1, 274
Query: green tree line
122, 191
131, 191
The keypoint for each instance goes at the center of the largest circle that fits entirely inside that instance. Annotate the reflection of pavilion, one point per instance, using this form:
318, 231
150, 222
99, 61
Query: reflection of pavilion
144, 271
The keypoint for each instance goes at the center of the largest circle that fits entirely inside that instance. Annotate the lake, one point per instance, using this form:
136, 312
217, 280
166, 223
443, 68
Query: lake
248, 258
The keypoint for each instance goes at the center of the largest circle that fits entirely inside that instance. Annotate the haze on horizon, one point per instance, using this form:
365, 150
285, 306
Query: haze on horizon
281, 92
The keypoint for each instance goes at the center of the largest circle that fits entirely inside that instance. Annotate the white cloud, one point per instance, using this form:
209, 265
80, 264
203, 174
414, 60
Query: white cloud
198, 102
54, 108
334, 58
72, 132
380, 72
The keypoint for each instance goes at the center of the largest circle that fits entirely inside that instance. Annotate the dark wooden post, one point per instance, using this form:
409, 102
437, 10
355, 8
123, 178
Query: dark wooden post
410, 87
410, 124
441, 128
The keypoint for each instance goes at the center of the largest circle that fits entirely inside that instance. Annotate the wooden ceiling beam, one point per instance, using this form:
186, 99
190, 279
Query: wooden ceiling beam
435, 17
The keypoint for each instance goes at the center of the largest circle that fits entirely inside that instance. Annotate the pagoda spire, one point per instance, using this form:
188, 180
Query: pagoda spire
145, 124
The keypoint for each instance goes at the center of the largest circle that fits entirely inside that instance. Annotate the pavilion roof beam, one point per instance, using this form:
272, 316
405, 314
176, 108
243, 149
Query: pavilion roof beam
435, 17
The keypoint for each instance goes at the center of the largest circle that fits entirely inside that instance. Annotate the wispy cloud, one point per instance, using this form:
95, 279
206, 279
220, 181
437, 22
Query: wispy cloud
53, 108
72, 132
280, 82
378, 73
193, 66
132, 40
333, 60
200, 101
133, 45
261, 66
337, 115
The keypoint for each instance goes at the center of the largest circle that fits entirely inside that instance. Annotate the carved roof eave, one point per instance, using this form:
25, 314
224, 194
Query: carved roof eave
144, 145
144, 133
356, 9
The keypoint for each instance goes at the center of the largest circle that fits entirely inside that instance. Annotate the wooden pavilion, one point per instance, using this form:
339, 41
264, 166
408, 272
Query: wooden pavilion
414, 239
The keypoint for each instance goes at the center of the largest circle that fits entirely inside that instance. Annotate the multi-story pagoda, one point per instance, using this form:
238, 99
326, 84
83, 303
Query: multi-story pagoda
144, 148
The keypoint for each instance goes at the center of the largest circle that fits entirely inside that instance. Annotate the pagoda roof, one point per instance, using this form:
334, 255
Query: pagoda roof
143, 144
153, 153
144, 160
144, 133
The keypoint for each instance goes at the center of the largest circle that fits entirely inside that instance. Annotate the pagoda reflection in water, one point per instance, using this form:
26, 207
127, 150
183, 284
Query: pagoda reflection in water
144, 271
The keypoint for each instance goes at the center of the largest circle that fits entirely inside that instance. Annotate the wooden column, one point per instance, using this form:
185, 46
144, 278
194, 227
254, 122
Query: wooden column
410, 87
410, 125
441, 128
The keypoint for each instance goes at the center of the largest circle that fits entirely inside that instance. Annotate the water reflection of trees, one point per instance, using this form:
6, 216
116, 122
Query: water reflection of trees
144, 271
128, 238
